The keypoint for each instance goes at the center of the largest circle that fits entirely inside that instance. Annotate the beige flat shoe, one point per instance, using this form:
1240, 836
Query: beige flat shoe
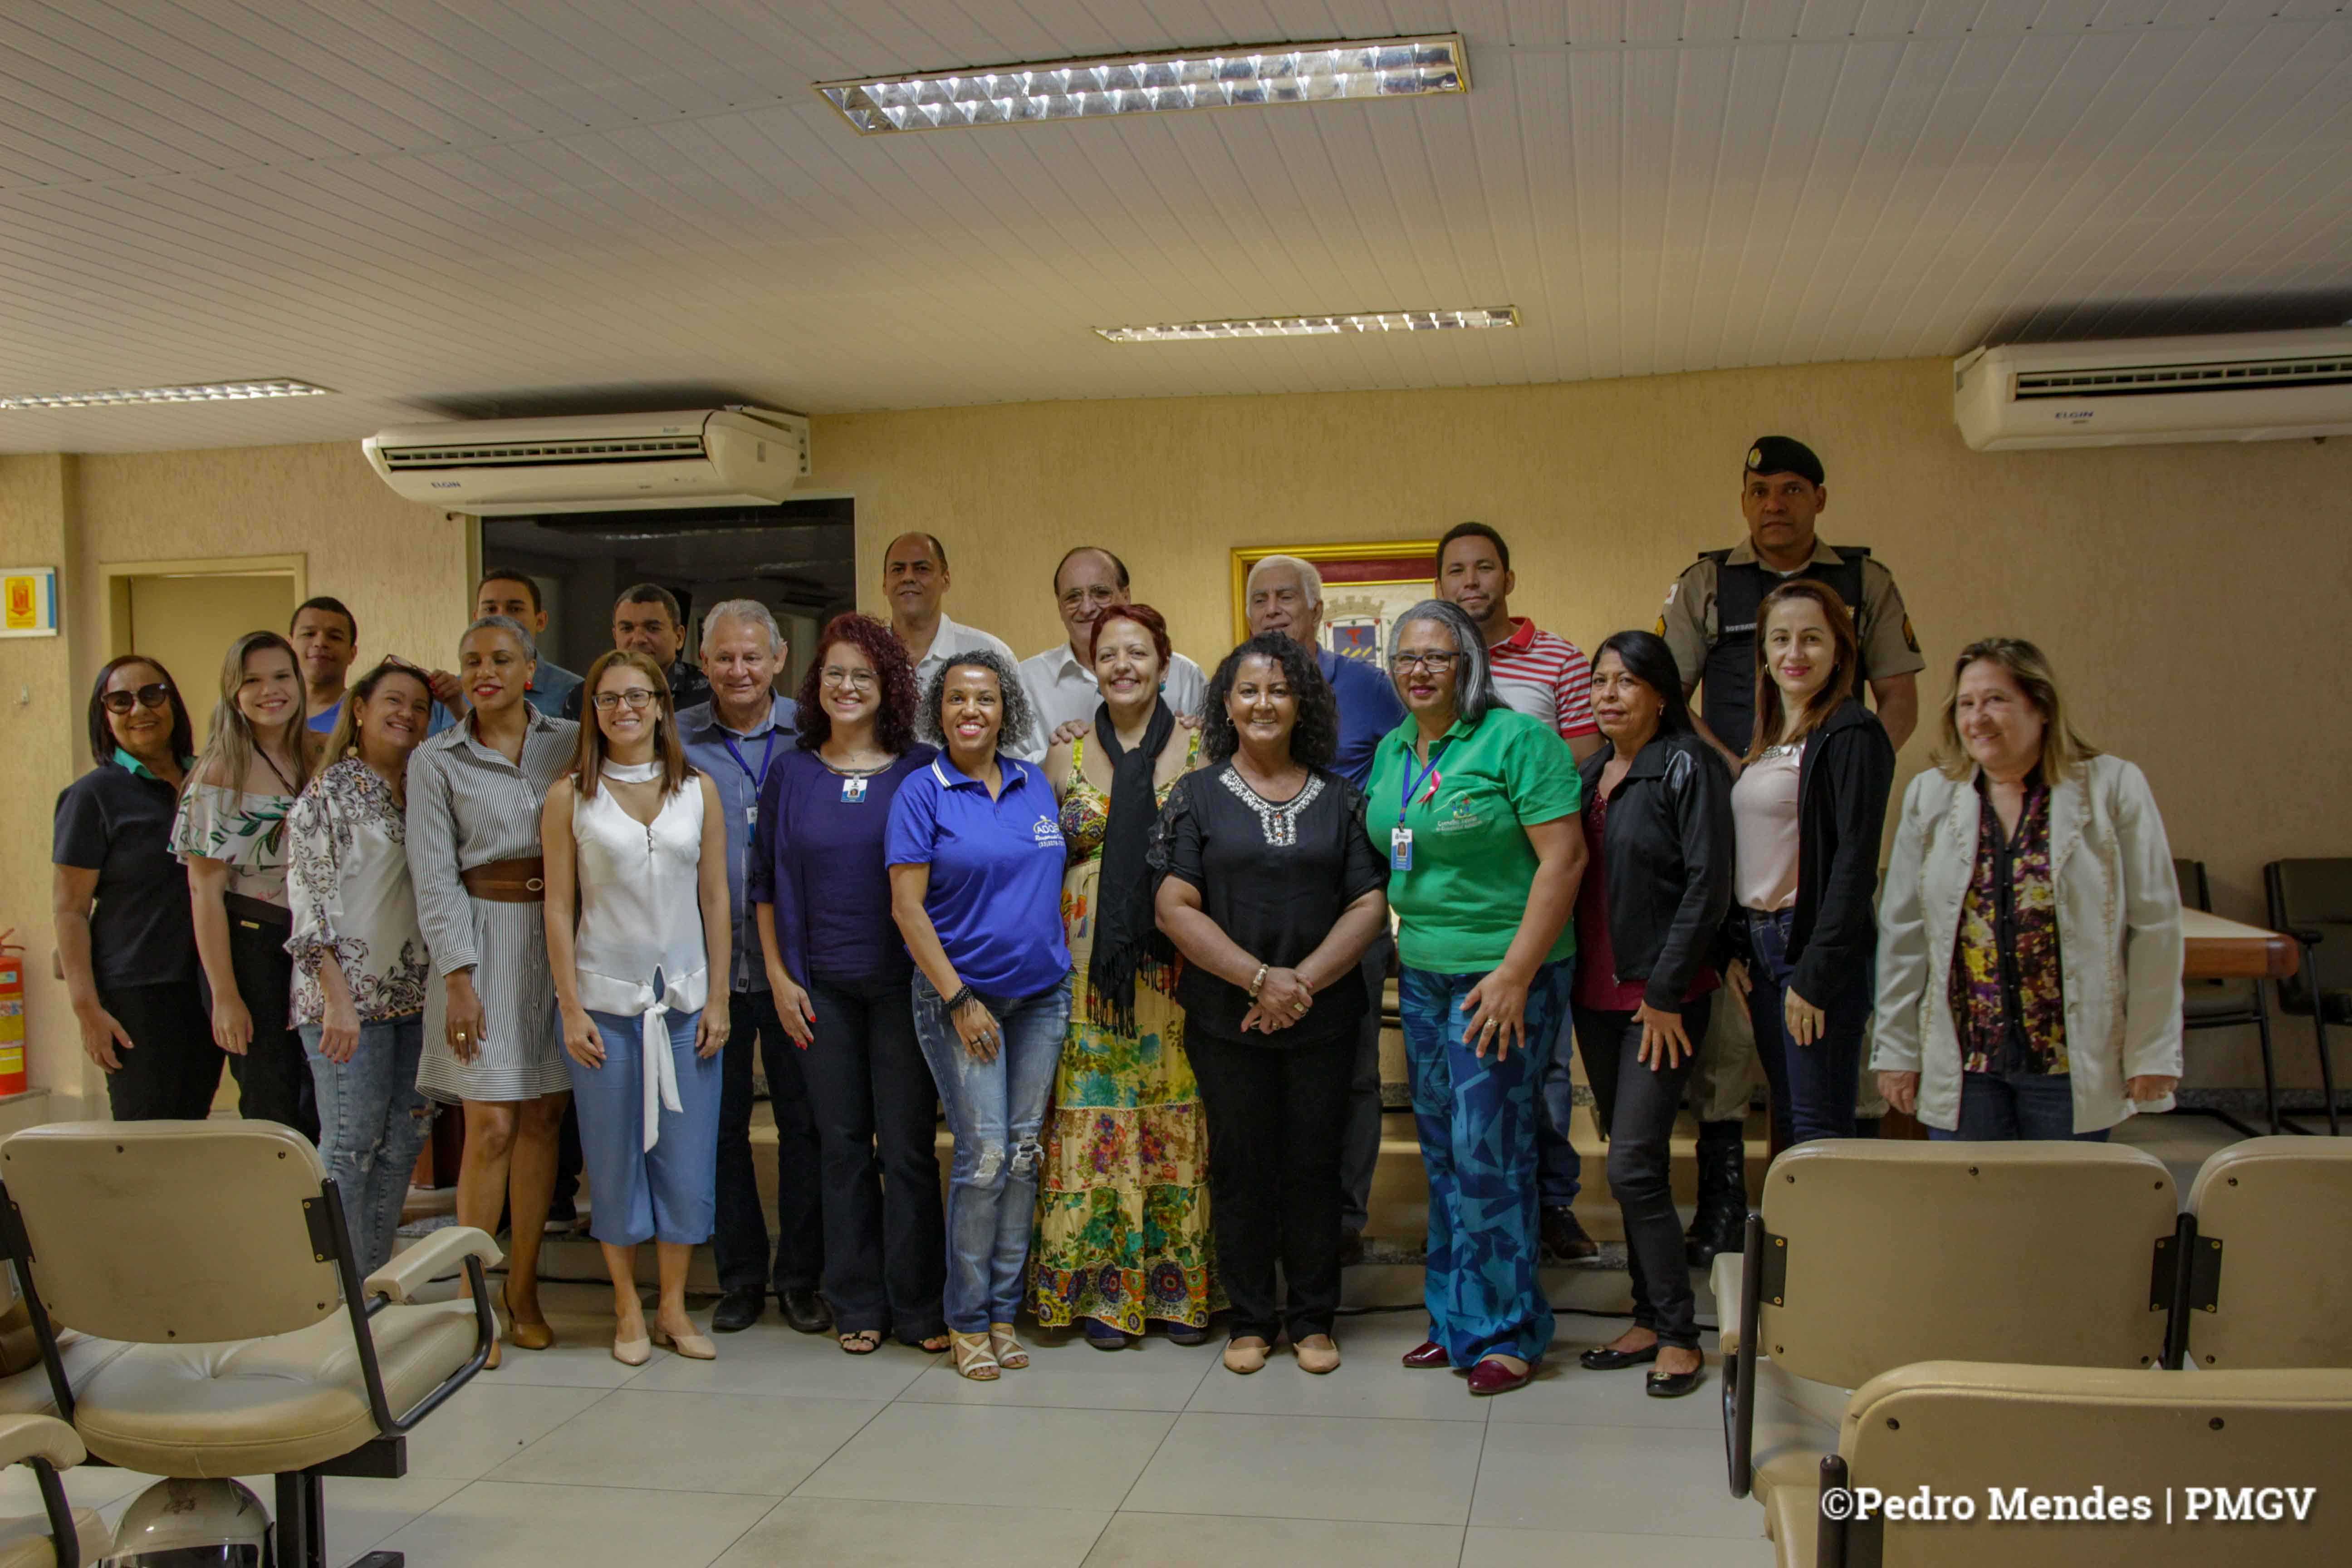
693, 1347
1246, 1355
633, 1353
1316, 1353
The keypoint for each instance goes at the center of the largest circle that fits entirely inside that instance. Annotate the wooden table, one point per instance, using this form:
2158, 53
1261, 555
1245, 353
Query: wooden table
2217, 949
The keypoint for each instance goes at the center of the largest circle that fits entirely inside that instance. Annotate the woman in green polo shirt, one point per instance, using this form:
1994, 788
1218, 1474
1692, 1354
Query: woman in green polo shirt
1476, 806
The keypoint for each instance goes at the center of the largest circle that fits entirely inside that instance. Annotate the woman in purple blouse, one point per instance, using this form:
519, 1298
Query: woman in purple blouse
843, 984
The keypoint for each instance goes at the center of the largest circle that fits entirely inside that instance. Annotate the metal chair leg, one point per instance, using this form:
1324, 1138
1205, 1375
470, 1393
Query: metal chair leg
2270, 1069
2326, 1062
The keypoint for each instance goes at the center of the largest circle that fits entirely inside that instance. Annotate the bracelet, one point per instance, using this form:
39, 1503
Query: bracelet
962, 997
1255, 981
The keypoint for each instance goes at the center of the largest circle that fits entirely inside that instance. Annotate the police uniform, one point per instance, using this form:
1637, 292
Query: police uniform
1709, 623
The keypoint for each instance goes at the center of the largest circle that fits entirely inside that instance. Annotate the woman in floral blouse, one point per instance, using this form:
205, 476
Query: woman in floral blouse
231, 835
360, 963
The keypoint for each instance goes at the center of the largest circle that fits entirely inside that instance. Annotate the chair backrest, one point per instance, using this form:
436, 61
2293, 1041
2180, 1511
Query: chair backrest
173, 1232
2278, 1210
2195, 891
2314, 895
2002, 1434
1893, 1252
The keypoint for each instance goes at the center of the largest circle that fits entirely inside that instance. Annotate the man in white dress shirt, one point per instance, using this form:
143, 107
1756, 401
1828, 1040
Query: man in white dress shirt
915, 580
1089, 581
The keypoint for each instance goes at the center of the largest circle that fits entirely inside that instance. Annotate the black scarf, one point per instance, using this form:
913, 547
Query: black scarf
1126, 933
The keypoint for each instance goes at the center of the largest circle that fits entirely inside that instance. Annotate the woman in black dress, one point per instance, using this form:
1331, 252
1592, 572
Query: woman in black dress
1271, 890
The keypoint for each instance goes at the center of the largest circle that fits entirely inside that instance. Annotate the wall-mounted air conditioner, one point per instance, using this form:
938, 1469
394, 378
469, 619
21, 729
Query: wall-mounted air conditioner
604, 462
2251, 386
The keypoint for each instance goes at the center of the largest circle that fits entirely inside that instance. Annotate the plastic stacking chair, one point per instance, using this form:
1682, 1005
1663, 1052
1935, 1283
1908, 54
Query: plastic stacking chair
1870, 1254
2268, 1281
2266, 1449
2311, 900
2226, 1003
217, 1252
60, 1536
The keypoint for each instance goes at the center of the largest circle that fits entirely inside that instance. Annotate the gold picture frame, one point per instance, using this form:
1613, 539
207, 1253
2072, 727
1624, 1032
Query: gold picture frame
1365, 582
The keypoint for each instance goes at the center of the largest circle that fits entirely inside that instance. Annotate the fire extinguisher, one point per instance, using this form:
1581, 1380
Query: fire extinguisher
12, 1014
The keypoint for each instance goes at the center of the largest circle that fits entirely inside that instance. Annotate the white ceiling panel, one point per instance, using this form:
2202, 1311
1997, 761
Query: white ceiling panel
436, 206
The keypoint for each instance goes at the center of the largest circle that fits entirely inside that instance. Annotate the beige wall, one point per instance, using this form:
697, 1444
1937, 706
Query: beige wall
2190, 595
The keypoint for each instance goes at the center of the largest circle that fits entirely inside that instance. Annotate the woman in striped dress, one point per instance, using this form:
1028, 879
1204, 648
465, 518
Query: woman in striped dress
491, 1042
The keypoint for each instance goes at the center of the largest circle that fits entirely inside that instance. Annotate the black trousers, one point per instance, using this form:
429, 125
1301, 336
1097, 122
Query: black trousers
1637, 1104
877, 1128
740, 1242
1278, 1123
172, 1069
273, 1076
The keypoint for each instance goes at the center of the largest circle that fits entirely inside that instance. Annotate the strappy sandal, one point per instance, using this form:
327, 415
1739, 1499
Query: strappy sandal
861, 1341
1009, 1353
974, 1357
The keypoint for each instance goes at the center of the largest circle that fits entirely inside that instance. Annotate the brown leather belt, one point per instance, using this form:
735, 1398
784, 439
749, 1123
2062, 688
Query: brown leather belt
521, 881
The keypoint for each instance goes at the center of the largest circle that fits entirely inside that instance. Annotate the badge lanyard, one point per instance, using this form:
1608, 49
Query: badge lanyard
760, 779
1401, 837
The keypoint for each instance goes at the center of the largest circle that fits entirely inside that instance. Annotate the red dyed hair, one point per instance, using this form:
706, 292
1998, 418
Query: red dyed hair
894, 723
1143, 615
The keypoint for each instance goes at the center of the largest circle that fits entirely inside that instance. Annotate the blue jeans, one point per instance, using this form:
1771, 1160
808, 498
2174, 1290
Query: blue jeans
669, 1192
2003, 1107
372, 1121
1813, 1086
1477, 1117
995, 1109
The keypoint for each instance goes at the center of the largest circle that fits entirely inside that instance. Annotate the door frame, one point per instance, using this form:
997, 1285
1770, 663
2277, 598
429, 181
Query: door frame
114, 578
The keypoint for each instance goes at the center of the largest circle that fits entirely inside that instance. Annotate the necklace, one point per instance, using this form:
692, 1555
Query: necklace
279, 771
633, 772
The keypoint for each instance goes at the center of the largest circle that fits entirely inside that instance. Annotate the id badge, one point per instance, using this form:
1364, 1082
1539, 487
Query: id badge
1399, 848
752, 814
853, 791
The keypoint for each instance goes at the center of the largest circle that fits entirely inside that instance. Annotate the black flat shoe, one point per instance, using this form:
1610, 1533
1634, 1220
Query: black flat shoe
1673, 1384
737, 1311
1602, 1359
1182, 1333
806, 1310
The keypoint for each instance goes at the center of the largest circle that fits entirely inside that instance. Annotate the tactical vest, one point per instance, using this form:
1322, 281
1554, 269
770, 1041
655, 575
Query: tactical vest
1728, 701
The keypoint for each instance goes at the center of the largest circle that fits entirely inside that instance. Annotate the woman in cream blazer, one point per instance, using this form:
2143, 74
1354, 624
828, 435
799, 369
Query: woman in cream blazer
2040, 869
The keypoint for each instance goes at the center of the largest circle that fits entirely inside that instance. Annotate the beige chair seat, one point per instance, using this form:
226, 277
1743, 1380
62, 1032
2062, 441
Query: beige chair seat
27, 1392
24, 1543
1793, 1522
269, 1405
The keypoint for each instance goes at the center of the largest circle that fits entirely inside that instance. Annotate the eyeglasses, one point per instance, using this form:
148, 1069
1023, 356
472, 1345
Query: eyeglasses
855, 680
636, 697
154, 695
1436, 663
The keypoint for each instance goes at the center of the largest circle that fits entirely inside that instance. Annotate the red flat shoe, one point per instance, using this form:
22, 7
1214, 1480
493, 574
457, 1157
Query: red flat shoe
1428, 1352
1491, 1376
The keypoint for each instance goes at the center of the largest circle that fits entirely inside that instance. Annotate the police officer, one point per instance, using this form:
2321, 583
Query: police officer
1710, 622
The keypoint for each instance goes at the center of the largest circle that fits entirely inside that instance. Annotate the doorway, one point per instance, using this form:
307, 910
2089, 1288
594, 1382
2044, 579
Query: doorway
799, 558
185, 614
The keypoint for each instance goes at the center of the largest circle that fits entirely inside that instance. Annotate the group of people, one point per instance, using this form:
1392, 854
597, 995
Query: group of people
1130, 924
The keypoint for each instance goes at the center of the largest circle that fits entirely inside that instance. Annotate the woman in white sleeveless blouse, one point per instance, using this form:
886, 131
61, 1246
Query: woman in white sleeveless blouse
640, 835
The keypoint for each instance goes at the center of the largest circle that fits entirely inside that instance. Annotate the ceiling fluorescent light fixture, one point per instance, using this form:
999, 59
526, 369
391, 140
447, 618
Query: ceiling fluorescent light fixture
208, 392
1232, 77
1317, 326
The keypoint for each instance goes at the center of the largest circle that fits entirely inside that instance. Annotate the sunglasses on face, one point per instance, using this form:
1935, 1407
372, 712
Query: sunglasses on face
154, 695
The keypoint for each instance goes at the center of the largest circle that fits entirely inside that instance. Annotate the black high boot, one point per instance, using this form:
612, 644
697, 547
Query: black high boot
1721, 1223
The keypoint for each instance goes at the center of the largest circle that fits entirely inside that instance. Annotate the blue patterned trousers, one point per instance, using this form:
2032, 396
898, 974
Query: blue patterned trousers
1477, 1119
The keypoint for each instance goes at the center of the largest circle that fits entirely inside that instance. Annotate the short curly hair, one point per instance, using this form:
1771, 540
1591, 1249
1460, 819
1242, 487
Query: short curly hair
894, 723
1314, 739
1012, 733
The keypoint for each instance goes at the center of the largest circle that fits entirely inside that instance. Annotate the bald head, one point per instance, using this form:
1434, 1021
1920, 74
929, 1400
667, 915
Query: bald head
915, 578
1089, 581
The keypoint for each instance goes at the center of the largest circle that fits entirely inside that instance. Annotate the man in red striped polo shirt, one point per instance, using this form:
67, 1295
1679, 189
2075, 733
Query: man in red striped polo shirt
1547, 678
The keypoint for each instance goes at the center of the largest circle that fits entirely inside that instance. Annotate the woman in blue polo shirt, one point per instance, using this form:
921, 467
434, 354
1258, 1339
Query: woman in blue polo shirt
975, 852
1476, 805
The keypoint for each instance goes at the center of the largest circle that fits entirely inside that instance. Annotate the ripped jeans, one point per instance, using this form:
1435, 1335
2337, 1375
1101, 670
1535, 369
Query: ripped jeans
996, 1110
372, 1121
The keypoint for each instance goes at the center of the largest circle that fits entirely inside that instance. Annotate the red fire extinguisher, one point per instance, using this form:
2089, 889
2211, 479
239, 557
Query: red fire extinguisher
12, 1014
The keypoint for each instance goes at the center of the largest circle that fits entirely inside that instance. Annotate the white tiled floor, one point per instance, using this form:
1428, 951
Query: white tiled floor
787, 1451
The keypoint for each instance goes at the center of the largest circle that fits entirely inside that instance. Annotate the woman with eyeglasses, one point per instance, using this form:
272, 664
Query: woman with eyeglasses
231, 833
1476, 808
843, 985
360, 961
126, 933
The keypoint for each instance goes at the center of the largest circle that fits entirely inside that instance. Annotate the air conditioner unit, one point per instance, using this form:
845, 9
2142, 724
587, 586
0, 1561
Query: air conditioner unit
2251, 386
710, 457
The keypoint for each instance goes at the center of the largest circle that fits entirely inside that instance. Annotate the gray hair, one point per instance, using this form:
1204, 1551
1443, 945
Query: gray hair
1474, 686
1012, 733
512, 627
746, 610
1309, 578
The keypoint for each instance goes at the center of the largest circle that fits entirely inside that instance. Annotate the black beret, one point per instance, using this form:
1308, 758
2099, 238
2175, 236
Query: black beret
1783, 455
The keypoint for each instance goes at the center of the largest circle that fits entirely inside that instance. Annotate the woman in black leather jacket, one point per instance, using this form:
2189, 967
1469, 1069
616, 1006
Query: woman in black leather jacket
1657, 882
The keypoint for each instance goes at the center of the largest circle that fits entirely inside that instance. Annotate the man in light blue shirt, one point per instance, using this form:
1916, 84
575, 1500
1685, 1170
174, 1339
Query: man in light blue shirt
734, 739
